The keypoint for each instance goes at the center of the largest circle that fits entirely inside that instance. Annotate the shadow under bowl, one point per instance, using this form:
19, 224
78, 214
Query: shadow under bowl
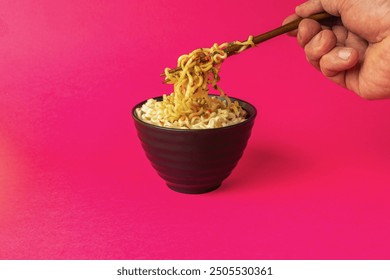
195, 160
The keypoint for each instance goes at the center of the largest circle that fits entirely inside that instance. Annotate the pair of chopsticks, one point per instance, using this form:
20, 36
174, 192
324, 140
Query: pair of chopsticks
323, 18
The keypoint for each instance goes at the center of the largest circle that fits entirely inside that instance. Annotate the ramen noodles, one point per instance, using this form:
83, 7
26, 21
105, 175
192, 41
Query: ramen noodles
190, 105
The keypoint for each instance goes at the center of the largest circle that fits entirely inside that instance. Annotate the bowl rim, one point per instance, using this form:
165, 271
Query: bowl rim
250, 119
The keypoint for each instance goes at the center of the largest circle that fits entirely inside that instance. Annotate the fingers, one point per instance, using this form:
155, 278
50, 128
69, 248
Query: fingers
315, 40
328, 50
334, 66
341, 34
307, 29
320, 45
338, 60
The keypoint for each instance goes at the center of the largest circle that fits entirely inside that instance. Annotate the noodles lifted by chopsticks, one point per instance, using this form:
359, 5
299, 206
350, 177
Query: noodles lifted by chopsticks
190, 106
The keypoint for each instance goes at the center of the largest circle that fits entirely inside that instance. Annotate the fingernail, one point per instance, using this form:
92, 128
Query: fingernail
344, 54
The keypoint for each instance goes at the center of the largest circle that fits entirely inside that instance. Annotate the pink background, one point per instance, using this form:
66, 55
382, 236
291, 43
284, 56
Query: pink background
314, 182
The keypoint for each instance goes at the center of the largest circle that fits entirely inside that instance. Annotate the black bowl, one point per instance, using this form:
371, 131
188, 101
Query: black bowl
195, 160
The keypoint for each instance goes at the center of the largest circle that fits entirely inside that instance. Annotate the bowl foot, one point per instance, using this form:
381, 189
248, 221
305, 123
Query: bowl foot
193, 189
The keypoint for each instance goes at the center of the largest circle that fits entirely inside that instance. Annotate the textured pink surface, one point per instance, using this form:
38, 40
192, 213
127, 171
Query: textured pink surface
314, 182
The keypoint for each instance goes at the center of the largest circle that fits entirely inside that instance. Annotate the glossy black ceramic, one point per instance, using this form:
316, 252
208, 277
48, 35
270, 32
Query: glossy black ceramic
195, 160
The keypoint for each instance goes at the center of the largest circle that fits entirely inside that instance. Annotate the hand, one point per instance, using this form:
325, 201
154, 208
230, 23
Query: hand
355, 53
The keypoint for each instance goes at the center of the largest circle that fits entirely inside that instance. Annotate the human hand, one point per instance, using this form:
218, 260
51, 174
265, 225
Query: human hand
354, 53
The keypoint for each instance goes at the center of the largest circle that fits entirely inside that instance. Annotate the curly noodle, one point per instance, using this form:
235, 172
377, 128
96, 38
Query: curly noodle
190, 106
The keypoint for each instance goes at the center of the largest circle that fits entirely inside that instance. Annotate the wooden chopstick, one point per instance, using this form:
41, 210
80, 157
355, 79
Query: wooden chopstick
323, 18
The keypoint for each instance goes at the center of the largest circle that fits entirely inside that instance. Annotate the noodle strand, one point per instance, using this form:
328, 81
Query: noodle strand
190, 106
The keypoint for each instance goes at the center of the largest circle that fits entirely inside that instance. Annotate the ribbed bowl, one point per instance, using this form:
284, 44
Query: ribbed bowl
195, 160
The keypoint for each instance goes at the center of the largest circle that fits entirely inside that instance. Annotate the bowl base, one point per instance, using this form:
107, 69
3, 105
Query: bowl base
193, 190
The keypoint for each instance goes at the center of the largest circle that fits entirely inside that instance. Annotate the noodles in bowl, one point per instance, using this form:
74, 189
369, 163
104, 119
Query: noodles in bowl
190, 106
221, 115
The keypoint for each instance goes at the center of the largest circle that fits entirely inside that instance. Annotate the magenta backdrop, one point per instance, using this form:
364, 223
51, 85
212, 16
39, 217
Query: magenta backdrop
314, 181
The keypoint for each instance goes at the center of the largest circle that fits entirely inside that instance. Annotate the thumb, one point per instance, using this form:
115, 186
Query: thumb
315, 6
